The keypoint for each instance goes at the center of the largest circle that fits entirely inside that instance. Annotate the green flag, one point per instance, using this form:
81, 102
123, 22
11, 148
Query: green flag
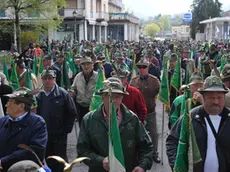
5, 70
29, 83
116, 157
223, 62
35, 65
65, 82
14, 77
164, 87
71, 62
40, 65
176, 79
96, 100
107, 55
187, 151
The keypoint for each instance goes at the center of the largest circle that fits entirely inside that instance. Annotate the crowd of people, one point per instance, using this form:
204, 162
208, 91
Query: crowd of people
65, 78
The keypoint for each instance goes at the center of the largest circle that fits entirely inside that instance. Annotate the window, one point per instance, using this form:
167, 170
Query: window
2, 13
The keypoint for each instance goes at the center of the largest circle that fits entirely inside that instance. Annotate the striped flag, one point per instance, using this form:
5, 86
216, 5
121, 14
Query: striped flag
116, 157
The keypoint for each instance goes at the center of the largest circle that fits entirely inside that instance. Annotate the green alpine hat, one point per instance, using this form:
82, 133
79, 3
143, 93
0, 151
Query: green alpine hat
116, 87
23, 95
225, 74
213, 84
48, 72
196, 78
24, 166
121, 73
142, 62
86, 59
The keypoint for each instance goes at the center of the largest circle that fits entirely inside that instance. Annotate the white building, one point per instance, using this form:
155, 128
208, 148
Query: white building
217, 28
84, 20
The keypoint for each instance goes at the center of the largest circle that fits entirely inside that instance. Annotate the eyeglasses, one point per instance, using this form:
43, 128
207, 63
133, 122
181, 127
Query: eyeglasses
47, 78
141, 67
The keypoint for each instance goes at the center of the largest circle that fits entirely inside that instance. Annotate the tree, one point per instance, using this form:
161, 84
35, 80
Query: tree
44, 13
202, 10
151, 29
165, 21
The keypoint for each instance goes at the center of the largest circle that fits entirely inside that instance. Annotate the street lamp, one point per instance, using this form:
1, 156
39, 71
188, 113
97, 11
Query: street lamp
75, 32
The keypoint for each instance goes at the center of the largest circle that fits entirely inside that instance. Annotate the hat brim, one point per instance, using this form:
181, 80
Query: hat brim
196, 82
213, 89
116, 91
86, 61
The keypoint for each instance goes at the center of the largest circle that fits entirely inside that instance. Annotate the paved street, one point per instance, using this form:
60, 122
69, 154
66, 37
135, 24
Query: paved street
71, 150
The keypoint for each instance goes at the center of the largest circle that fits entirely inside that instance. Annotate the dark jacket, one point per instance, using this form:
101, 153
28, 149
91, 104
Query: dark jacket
200, 130
31, 131
5, 89
59, 111
93, 141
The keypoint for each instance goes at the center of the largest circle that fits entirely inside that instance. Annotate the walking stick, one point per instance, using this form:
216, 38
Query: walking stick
162, 139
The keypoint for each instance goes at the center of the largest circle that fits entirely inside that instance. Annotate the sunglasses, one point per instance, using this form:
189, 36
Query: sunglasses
141, 67
47, 78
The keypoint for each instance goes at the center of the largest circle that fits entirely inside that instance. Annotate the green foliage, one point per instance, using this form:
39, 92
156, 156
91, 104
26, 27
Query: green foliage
202, 10
28, 37
151, 29
44, 13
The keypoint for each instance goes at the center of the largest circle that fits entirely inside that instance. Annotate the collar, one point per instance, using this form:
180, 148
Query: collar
48, 93
119, 114
144, 77
21, 117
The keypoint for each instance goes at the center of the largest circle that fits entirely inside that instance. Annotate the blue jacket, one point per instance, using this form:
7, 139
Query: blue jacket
31, 131
58, 110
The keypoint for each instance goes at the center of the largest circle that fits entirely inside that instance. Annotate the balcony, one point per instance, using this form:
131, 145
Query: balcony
125, 17
102, 16
68, 13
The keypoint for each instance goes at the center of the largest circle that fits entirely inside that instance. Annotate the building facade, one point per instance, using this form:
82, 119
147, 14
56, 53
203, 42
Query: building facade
84, 20
122, 25
181, 32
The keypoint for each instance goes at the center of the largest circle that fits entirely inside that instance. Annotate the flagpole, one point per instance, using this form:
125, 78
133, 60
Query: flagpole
162, 139
109, 116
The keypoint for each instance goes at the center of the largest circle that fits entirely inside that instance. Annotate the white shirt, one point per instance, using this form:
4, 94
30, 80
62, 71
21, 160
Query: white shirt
211, 162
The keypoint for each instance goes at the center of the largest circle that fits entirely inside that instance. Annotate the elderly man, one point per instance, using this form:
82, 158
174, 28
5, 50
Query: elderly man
149, 86
135, 100
93, 137
21, 126
57, 107
178, 106
211, 126
83, 86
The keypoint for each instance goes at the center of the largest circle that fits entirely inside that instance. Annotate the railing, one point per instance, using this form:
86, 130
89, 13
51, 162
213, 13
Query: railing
102, 15
68, 12
123, 16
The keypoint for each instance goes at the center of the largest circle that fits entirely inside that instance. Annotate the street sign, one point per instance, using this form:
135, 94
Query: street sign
187, 18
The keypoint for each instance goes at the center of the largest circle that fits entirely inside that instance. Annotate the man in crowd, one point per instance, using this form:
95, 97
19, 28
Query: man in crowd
225, 76
21, 71
149, 86
83, 86
47, 64
211, 126
57, 107
135, 100
21, 126
93, 137
178, 106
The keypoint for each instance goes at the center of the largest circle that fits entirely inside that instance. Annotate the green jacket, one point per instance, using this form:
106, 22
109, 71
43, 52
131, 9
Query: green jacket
93, 141
177, 109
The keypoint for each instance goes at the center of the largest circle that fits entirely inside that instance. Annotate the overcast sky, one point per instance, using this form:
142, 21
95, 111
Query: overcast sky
147, 8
